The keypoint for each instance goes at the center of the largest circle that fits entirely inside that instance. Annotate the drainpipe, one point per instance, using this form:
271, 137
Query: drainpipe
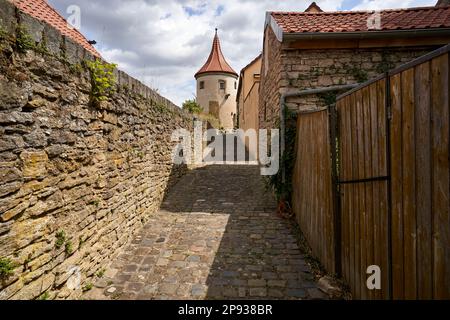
301, 93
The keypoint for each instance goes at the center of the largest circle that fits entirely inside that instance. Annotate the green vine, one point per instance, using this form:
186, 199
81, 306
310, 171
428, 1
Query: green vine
328, 98
102, 80
360, 75
3, 33
283, 190
385, 65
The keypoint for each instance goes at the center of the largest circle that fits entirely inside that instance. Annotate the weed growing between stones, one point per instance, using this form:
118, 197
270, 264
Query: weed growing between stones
44, 296
102, 80
87, 287
6, 268
60, 239
68, 248
100, 273
3, 33
23, 42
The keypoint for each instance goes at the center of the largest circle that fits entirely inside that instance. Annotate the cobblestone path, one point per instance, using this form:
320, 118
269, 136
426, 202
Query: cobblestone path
217, 236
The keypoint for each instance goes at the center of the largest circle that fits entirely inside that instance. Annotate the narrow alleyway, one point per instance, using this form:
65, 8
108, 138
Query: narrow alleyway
217, 236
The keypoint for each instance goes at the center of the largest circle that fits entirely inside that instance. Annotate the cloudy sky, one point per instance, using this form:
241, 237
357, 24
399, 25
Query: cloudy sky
164, 42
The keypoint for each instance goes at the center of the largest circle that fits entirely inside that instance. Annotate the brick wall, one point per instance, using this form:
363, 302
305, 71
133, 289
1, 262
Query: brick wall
77, 180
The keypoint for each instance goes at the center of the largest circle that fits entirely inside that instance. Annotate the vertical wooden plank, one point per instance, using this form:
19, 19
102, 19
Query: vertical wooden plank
440, 176
362, 193
408, 167
318, 126
355, 199
366, 173
344, 160
423, 181
360, 224
314, 184
396, 187
351, 193
383, 190
330, 249
375, 172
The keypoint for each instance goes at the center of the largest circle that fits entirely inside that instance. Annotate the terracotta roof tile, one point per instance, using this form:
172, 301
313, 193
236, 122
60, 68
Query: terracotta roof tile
42, 11
356, 21
216, 61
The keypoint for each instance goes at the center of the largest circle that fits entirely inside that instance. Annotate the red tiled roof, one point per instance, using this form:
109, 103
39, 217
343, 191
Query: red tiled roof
356, 21
42, 11
216, 61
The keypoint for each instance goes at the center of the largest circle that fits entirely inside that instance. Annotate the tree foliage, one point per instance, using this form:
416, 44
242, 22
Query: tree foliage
192, 106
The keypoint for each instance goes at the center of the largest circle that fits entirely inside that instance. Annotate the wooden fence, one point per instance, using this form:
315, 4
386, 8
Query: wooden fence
391, 204
313, 194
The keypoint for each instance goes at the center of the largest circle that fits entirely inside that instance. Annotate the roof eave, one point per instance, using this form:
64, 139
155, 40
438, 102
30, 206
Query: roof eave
365, 34
198, 74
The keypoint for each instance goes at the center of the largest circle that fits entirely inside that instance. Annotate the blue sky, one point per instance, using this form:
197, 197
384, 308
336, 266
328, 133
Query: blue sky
164, 42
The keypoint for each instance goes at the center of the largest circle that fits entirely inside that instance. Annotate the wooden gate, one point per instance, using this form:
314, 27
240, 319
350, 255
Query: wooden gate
393, 170
363, 182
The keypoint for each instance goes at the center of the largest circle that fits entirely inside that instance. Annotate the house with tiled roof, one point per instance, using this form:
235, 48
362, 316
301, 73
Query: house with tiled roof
42, 11
312, 49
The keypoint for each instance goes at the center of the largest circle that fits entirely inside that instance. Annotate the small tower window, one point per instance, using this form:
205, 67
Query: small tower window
235, 84
222, 85
202, 84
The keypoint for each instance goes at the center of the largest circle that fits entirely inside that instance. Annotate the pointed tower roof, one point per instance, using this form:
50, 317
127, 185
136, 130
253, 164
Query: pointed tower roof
216, 61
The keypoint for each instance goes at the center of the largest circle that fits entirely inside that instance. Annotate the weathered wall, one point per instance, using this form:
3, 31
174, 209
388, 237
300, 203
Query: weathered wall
211, 94
269, 92
249, 96
295, 69
96, 173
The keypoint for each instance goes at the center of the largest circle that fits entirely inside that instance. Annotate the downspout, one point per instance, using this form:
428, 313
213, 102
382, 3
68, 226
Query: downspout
301, 93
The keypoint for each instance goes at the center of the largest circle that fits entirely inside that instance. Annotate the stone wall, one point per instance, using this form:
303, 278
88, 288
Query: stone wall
77, 179
292, 70
271, 71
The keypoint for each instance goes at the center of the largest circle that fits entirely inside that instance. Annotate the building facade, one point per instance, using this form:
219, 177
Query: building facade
312, 49
248, 100
217, 87
248, 95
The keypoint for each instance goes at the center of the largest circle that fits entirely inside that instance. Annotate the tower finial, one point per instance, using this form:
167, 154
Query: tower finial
216, 31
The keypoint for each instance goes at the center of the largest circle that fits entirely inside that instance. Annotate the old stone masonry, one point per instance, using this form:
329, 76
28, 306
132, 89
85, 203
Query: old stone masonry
216, 236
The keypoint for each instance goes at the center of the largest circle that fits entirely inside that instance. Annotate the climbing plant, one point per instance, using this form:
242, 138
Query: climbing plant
328, 98
102, 80
283, 189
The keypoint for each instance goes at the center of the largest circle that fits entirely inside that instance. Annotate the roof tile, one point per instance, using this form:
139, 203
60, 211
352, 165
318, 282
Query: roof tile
216, 61
356, 21
42, 11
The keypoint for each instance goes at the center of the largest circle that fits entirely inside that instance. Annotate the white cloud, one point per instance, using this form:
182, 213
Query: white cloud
164, 42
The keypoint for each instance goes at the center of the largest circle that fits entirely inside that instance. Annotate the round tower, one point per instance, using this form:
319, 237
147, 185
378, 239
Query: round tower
217, 87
